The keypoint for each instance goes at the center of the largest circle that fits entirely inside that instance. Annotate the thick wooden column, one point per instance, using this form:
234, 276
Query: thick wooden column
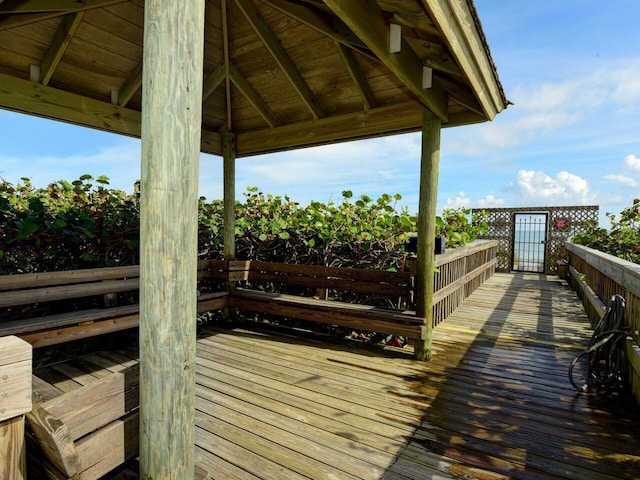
229, 168
425, 267
171, 120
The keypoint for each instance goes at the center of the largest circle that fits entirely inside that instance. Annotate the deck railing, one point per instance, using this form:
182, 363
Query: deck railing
459, 273
596, 276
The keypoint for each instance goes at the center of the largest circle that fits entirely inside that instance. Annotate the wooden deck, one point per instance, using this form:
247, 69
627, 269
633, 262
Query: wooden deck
494, 403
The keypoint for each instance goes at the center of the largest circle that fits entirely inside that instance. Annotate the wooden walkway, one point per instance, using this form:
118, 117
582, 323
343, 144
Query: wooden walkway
494, 403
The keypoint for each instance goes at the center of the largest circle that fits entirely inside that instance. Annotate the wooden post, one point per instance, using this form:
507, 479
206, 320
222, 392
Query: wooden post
15, 401
171, 129
229, 167
427, 228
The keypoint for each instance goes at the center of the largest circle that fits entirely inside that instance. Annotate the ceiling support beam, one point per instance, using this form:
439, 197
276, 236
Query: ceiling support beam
459, 94
130, 88
44, 101
434, 56
225, 55
18, 20
356, 75
389, 120
253, 97
456, 21
280, 55
38, 6
33, 98
61, 41
323, 23
368, 22
425, 264
213, 81
171, 122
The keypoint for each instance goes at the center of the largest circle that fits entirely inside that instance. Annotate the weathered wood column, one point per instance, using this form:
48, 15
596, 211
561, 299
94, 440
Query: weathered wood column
171, 121
15, 401
229, 168
429, 169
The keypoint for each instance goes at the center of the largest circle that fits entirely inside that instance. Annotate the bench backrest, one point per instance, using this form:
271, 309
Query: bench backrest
357, 280
31, 288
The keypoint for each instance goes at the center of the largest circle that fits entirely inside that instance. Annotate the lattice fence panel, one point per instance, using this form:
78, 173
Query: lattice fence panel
564, 222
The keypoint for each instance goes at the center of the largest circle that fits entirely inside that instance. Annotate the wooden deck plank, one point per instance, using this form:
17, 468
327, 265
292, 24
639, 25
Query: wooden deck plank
362, 459
494, 403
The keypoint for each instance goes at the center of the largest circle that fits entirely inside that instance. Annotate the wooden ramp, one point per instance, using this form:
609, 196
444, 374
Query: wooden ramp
494, 403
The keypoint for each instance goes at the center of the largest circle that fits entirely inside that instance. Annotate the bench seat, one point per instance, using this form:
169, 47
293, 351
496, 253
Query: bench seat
356, 316
64, 327
85, 432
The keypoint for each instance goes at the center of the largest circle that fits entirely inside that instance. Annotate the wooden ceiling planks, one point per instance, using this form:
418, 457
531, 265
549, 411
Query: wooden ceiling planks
296, 68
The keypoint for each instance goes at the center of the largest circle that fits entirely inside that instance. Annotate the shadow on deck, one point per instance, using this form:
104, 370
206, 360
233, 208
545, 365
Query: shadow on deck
494, 402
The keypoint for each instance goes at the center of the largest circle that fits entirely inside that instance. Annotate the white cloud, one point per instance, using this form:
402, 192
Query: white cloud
488, 202
542, 109
626, 92
537, 188
632, 162
119, 161
463, 200
627, 181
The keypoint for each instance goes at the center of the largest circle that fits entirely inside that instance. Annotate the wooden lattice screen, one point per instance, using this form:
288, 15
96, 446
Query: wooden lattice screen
563, 222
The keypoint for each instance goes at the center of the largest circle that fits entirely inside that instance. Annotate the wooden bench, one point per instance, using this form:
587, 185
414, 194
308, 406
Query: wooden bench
393, 286
85, 432
261, 289
69, 286
84, 423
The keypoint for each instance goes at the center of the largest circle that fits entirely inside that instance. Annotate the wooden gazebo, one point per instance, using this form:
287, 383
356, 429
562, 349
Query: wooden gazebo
237, 78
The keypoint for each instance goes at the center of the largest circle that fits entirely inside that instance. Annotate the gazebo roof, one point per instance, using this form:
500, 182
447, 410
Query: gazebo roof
279, 74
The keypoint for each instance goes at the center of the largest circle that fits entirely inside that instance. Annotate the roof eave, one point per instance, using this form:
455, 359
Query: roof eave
463, 34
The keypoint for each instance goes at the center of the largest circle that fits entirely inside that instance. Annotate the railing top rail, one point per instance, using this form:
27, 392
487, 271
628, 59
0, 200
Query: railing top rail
456, 253
624, 273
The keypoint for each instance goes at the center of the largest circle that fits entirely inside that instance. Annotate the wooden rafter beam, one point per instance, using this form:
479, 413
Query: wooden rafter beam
227, 63
358, 78
321, 22
419, 22
132, 85
213, 81
280, 55
465, 41
460, 94
253, 97
34, 6
44, 101
387, 120
435, 56
61, 41
368, 22
18, 20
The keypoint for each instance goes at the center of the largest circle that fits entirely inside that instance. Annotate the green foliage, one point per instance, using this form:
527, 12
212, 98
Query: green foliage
85, 224
66, 226
460, 227
365, 232
622, 240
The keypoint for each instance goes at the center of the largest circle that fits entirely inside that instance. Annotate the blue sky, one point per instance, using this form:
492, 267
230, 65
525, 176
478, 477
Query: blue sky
572, 137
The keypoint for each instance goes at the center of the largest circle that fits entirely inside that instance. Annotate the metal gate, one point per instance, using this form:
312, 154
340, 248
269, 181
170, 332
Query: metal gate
563, 222
529, 242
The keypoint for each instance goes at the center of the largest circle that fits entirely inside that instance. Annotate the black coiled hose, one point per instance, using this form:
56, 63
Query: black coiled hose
603, 361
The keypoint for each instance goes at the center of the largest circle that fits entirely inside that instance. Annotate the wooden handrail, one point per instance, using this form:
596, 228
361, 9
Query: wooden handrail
595, 273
